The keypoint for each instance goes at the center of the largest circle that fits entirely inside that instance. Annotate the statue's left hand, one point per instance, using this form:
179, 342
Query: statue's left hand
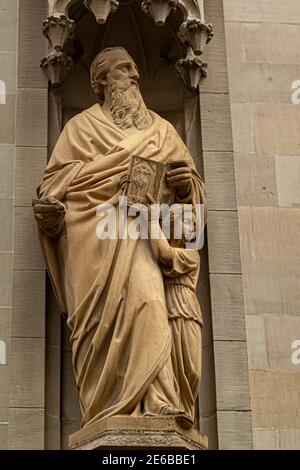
124, 179
49, 214
180, 177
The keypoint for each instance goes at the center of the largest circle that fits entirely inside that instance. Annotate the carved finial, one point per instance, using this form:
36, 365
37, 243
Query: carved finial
58, 29
159, 9
191, 69
101, 9
195, 33
57, 66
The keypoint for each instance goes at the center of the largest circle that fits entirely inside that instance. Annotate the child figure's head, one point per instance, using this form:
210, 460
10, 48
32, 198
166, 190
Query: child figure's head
182, 227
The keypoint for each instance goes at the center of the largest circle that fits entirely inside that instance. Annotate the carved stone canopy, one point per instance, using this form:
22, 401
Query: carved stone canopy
193, 33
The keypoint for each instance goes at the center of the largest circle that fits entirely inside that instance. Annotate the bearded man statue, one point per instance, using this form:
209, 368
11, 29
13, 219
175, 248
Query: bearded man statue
112, 292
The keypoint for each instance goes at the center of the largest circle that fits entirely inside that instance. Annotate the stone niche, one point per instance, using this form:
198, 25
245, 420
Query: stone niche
170, 73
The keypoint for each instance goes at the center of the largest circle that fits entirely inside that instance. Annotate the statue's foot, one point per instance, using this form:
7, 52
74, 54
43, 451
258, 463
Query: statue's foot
184, 421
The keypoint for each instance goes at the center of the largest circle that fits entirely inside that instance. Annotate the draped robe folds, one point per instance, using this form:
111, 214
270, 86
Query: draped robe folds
111, 292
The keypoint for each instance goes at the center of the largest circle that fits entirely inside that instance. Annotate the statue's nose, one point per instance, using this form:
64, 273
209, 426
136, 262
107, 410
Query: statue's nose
134, 73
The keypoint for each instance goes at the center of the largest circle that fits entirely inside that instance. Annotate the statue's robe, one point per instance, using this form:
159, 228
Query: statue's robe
111, 292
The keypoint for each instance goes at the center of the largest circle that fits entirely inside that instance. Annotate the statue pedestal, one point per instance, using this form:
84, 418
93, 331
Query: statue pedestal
126, 433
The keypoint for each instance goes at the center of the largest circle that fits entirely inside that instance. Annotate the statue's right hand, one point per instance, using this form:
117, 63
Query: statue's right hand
49, 214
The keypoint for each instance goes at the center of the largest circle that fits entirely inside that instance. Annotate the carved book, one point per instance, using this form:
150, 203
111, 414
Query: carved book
146, 176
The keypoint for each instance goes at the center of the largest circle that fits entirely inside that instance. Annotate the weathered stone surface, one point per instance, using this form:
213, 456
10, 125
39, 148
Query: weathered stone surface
275, 399
289, 439
5, 319
32, 127
7, 120
234, 45
276, 129
26, 429
272, 43
3, 436
6, 211
207, 394
28, 304
227, 307
209, 426
223, 242
265, 439
287, 172
218, 169
30, 162
6, 170
31, 50
256, 180
137, 433
271, 266
8, 31
215, 52
52, 432
256, 342
262, 82
27, 373
70, 411
216, 127
5, 279
203, 291
11, 5
26, 244
235, 431
4, 380
281, 332
242, 128
272, 11
232, 380
8, 64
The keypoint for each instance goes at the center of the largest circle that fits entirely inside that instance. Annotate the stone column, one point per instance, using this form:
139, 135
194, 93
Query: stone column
8, 71
27, 357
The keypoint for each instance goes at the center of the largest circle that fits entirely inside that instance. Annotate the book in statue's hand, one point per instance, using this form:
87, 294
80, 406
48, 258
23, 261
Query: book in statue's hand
146, 176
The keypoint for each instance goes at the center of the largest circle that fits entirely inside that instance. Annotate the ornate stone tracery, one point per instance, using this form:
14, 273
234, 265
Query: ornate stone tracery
194, 33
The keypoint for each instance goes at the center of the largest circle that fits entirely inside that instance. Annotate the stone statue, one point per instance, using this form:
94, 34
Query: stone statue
130, 304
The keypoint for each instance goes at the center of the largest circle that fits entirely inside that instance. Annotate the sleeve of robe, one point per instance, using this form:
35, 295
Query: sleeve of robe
178, 261
59, 174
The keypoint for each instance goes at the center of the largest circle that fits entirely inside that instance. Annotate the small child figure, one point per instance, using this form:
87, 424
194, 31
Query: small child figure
180, 268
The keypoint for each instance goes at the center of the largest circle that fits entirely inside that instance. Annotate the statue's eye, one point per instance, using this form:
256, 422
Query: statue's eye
123, 67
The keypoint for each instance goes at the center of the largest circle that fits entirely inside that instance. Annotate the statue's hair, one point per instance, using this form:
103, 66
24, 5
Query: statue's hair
99, 69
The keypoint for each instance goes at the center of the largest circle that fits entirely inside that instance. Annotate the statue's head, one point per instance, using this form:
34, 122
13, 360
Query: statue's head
113, 64
114, 79
184, 226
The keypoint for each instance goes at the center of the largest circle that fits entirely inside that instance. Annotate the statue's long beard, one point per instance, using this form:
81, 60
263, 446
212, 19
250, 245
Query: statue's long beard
127, 105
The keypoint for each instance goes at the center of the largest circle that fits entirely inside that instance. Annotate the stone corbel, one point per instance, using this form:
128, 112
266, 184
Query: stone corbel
195, 33
57, 66
159, 10
191, 69
101, 9
58, 28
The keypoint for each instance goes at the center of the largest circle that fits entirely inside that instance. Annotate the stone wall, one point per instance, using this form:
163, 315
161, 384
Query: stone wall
8, 71
27, 355
263, 61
